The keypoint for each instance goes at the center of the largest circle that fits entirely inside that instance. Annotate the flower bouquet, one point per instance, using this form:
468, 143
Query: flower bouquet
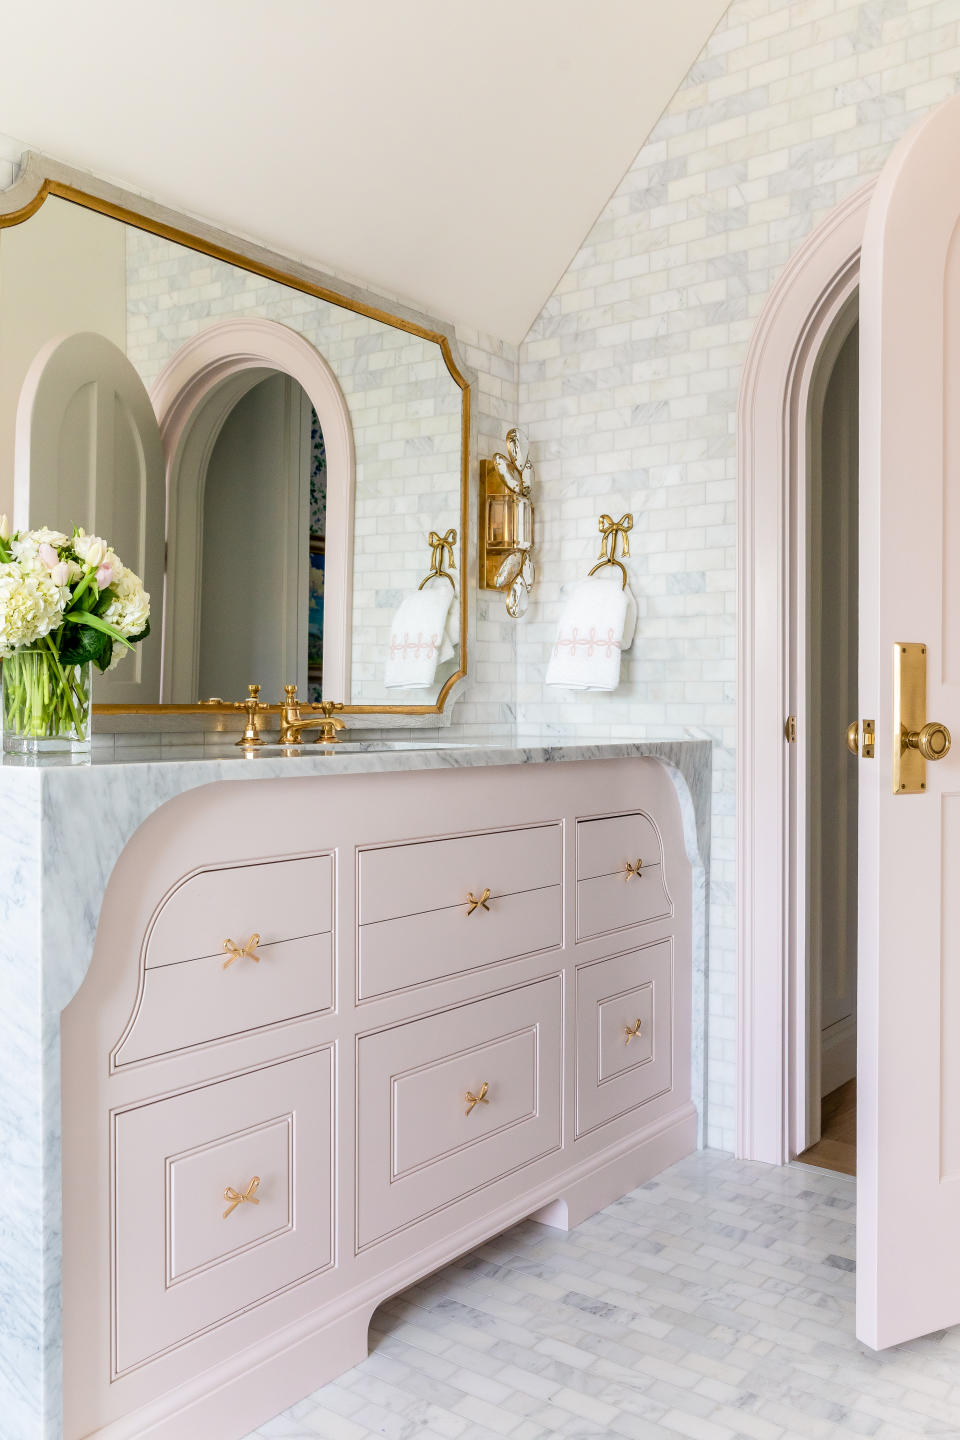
67, 604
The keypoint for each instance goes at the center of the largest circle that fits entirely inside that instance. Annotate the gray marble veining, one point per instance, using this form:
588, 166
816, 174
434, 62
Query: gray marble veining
62, 829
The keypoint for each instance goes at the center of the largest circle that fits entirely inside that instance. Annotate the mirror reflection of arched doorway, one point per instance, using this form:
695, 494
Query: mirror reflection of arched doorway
263, 517
258, 403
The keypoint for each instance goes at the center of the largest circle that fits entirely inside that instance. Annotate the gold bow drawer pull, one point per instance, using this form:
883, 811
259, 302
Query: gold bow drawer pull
479, 1099
241, 952
241, 1197
632, 1031
632, 870
477, 903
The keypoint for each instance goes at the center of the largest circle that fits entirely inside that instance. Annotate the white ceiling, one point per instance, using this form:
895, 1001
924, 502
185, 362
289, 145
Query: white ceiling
452, 154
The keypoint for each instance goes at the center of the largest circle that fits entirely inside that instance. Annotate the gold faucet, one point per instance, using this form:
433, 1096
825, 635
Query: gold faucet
293, 721
251, 736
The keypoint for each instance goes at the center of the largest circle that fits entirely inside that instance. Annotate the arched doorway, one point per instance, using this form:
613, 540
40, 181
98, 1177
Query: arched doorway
806, 318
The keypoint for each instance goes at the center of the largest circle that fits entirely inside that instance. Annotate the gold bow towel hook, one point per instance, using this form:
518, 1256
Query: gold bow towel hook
474, 902
241, 1197
613, 532
241, 952
634, 870
632, 1031
441, 554
479, 1099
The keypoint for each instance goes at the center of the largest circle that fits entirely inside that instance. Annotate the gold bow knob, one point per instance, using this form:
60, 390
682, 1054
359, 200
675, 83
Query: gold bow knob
473, 903
479, 1099
633, 870
632, 1031
241, 1197
933, 741
241, 952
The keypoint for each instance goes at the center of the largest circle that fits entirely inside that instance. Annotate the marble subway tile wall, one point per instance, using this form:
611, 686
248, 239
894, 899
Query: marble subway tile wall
629, 377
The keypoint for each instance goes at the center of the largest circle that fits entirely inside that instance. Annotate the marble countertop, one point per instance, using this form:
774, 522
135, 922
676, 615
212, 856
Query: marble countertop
131, 779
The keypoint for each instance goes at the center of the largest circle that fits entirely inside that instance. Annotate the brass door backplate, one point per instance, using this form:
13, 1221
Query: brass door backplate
909, 717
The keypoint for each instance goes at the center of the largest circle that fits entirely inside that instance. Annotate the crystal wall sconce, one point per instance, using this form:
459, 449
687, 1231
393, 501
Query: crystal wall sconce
506, 524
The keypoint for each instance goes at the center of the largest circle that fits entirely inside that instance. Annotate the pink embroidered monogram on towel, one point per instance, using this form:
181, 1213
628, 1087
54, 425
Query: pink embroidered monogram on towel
419, 649
590, 643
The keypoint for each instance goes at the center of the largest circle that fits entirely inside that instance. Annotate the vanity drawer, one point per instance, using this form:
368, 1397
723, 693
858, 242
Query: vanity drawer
277, 900
607, 844
615, 902
419, 1148
416, 949
182, 1262
621, 1065
200, 1001
398, 880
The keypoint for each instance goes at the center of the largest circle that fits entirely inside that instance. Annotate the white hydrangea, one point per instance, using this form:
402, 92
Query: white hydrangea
31, 605
129, 608
26, 547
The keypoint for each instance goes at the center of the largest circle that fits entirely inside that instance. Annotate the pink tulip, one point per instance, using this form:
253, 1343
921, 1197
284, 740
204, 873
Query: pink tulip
49, 556
60, 574
104, 575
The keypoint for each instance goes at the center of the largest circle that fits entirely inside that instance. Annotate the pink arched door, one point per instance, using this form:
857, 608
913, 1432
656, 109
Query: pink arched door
908, 1222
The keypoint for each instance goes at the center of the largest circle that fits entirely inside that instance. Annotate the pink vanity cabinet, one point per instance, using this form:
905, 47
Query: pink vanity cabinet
336, 1031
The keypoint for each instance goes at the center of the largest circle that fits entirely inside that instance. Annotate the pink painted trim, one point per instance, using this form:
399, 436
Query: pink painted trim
197, 369
779, 369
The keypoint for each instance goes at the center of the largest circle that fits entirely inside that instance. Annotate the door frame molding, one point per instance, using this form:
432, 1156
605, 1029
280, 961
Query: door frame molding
773, 454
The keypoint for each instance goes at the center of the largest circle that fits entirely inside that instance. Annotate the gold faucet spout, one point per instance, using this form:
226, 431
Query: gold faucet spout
293, 721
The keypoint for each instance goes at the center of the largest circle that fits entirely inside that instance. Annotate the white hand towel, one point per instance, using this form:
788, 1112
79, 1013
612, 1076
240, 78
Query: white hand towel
590, 636
416, 638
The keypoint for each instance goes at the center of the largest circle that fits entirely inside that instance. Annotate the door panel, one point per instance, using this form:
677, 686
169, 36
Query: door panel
88, 453
908, 1183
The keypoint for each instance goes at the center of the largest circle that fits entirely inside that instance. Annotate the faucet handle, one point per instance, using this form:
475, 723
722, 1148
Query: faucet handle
291, 693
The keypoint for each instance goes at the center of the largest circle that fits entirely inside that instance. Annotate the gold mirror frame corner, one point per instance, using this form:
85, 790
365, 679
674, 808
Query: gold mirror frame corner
176, 229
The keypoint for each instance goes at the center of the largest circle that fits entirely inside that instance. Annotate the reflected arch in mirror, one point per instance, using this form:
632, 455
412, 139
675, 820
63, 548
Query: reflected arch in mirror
193, 396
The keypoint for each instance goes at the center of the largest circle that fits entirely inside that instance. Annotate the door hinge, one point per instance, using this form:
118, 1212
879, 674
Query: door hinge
790, 729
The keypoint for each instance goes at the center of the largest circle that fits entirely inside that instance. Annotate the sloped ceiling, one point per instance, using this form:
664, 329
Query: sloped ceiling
452, 154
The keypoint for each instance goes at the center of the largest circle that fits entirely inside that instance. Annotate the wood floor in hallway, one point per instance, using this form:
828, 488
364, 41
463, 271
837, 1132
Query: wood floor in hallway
837, 1147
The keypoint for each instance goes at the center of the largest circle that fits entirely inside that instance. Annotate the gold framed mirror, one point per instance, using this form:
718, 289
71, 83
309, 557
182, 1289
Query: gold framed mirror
278, 454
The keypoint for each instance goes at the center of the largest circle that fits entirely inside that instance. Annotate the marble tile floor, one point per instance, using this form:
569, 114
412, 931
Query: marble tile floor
714, 1303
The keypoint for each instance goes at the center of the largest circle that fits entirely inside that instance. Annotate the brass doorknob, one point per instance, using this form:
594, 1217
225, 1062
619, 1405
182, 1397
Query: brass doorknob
853, 738
933, 741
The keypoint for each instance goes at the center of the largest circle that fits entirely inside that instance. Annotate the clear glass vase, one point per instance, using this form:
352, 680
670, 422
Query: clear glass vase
45, 704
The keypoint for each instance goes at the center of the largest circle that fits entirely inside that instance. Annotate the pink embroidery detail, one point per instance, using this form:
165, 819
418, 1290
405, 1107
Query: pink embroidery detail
589, 643
420, 648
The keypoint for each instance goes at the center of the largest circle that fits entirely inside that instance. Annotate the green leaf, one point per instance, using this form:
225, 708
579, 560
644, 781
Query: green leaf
135, 639
82, 618
81, 643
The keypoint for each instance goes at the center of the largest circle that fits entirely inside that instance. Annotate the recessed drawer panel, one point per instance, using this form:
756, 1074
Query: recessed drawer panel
416, 949
222, 1196
607, 845
624, 1033
614, 902
435, 874
455, 1101
279, 900
204, 1000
